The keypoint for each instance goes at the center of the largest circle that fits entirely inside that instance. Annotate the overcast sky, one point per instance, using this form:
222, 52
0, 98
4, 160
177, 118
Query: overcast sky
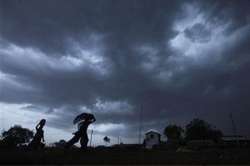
178, 60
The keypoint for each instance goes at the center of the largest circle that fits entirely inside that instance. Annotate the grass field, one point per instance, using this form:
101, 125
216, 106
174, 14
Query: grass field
114, 156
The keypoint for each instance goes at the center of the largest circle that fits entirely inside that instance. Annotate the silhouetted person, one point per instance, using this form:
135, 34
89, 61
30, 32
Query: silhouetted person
81, 134
38, 140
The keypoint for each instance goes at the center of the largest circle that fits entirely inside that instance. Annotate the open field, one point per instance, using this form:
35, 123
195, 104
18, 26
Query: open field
114, 156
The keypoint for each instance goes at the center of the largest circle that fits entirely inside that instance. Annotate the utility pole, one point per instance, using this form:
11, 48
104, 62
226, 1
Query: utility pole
120, 140
91, 137
2, 121
234, 128
233, 124
140, 124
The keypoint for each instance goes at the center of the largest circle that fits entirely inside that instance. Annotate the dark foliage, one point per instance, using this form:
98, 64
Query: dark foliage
106, 139
201, 130
16, 135
173, 132
60, 144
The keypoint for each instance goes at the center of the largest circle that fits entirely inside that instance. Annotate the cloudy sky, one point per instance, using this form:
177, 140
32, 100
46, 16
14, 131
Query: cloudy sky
177, 60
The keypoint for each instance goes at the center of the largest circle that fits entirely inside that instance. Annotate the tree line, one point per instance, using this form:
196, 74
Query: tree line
196, 129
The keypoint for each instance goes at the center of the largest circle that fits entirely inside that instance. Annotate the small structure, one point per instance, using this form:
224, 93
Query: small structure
152, 138
232, 140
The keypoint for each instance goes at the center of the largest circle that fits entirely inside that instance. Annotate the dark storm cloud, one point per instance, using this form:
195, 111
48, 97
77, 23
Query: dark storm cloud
112, 57
198, 33
51, 23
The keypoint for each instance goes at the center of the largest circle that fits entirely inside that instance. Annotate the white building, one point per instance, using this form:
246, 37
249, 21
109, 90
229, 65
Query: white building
152, 138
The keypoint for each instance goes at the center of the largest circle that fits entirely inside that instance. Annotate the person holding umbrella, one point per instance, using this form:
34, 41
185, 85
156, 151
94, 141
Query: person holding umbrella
38, 140
83, 121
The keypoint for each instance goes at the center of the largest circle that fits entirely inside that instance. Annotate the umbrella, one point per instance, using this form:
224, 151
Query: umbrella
82, 117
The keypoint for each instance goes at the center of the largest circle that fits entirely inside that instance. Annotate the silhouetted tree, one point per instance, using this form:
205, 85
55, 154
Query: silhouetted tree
16, 135
106, 140
200, 129
173, 132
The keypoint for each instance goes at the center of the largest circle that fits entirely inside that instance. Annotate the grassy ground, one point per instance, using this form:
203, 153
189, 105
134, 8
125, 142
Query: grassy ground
112, 156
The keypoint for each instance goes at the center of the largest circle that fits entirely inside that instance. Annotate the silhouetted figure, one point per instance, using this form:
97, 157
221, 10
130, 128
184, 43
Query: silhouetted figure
38, 140
81, 134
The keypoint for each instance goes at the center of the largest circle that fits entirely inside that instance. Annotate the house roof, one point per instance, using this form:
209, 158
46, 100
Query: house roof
152, 131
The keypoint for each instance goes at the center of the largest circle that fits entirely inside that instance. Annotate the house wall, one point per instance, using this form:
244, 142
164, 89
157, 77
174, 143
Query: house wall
152, 139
